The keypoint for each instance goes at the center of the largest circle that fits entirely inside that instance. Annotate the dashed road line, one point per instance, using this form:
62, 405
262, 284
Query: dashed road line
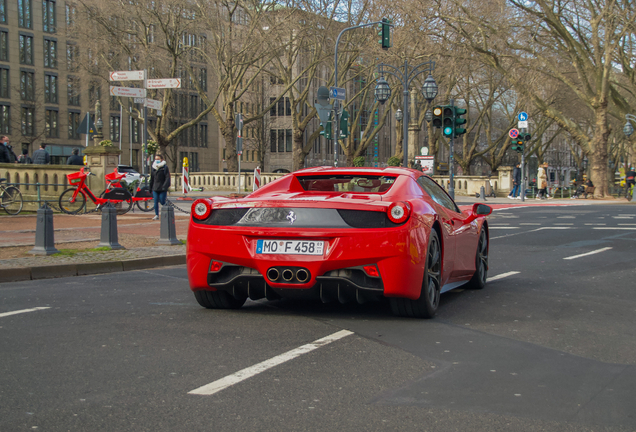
230, 380
615, 228
501, 276
5, 314
502, 227
587, 253
530, 224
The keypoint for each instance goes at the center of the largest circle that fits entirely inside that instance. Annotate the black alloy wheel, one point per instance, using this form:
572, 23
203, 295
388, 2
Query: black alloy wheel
478, 281
425, 306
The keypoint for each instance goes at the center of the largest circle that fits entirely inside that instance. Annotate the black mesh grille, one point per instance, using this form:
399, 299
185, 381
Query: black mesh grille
366, 219
224, 216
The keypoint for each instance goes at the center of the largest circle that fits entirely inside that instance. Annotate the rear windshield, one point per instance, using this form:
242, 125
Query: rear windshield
347, 183
123, 168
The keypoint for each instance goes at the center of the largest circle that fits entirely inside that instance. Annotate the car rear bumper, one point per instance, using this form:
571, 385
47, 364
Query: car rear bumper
338, 274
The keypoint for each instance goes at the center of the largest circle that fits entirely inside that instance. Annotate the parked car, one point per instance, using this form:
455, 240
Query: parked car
338, 234
131, 174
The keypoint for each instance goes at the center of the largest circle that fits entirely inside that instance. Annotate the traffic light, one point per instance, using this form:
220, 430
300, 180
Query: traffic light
437, 116
448, 121
459, 121
517, 145
344, 124
385, 34
327, 129
521, 141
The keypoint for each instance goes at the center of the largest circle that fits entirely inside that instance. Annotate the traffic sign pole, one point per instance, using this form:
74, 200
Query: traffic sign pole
145, 143
451, 160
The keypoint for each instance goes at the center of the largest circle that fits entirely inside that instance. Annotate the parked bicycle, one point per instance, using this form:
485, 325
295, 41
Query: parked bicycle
142, 196
73, 200
10, 198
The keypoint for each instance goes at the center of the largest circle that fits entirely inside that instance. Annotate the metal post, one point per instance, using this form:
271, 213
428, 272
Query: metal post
144, 144
451, 156
405, 125
121, 116
37, 185
523, 176
88, 125
238, 186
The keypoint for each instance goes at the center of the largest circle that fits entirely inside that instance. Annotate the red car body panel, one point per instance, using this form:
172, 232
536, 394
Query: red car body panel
398, 251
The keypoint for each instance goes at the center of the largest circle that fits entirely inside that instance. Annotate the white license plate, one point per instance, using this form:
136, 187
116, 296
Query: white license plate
290, 247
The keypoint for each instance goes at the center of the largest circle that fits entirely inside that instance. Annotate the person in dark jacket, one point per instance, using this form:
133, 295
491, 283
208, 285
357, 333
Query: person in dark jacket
516, 181
75, 158
6, 151
41, 156
159, 183
24, 157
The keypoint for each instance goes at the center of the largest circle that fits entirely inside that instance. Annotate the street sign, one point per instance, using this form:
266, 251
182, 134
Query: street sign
163, 83
127, 76
128, 92
87, 125
514, 133
337, 93
523, 116
522, 124
139, 100
154, 104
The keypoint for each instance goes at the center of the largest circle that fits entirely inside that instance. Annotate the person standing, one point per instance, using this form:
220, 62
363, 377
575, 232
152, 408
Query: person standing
75, 158
41, 156
24, 157
159, 183
516, 181
542, 182
6, 153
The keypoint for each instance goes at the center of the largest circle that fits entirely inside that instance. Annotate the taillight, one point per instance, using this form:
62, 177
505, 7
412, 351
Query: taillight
215, 266
399, 212
371, 270
201, 209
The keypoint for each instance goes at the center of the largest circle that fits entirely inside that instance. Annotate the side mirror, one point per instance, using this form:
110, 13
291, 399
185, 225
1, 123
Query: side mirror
478, 210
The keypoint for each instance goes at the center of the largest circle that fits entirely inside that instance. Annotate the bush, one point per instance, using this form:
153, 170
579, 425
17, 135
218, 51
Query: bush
394, 161
359, 161
106, 143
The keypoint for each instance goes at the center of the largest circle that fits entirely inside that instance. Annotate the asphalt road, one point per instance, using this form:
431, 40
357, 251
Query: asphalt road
551, 347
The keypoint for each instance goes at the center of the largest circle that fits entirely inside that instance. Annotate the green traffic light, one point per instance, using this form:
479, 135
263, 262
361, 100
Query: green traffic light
448, 131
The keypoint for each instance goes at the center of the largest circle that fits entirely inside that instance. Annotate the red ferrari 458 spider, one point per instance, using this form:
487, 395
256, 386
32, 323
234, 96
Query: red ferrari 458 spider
338, 234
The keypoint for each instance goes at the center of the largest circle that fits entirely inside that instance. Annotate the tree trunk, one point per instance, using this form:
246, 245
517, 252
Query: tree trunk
230, 147
298, 155
599, 155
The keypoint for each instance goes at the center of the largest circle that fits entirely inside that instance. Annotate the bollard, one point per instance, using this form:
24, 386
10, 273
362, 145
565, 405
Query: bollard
44, 242
482, 193
167, 231
109, 236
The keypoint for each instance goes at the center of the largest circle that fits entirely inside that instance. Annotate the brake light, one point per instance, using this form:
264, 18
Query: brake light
201, 209
215, 266
399, 212
371, 270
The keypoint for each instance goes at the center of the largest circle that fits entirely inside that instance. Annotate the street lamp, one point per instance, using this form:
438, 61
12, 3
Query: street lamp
398, 115
428, 116
406, 77
382, 91
628, 129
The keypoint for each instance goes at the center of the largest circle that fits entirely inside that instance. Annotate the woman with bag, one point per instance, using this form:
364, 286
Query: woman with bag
159, 183
542, 182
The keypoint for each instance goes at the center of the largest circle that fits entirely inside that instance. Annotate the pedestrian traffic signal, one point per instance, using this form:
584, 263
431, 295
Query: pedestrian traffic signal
344, 124
448, 118
437, 116
385, 34
327, 129
517, 145
459, 121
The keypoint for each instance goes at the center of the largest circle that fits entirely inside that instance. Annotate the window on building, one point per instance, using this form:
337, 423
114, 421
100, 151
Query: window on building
73, 124
26, 49
193, 161
135, 130
70, 15
4, 44
114, 103
3, 11
5, 119
50, 89
50, 53
203, 79
24, 14
5, 92
281, 107
288, 140
281, 140
287, 107
28, 120
194, 106
115, 123
51, 118
272, 111
48, 16
272, 141
203, 133
72, 54
73, 90
27, 85
94, 93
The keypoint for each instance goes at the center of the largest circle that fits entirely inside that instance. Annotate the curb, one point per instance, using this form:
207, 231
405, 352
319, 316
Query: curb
17, 274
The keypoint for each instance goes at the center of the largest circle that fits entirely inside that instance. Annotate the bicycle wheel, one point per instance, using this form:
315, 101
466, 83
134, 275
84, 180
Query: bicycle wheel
12, 200
145, 205
122, 207
72, 207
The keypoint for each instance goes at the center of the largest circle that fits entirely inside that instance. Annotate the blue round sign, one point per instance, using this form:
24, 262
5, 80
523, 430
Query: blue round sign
523, 116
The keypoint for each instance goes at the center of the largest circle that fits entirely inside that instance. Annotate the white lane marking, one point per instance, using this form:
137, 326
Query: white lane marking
563, 223
249, 372
588, 253
614, 228
594, 224
4, 314
529, 224
566, 217
622, 217
626, 224
501, 276
502, 227
552, 228
533, 230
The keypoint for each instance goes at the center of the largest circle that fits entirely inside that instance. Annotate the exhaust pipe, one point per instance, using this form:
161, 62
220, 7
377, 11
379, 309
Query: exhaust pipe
288, 275
272, 274
302, 275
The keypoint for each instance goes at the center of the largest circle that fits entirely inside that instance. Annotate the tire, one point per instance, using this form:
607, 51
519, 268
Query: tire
69, 207
122, 207
425, 306
146, 205
478, 281
12, 200
218, 300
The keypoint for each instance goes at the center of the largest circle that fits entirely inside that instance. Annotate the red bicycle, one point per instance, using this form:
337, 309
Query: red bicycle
142, 196
73, 200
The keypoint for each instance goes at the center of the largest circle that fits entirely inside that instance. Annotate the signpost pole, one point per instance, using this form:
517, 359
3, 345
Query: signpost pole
144, 145
121, 116
88, 126
451, 164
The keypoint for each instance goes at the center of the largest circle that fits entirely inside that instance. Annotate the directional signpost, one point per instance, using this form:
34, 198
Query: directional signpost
163, 83
154, 104
337, 93
127, 76
127, 92
523, 125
